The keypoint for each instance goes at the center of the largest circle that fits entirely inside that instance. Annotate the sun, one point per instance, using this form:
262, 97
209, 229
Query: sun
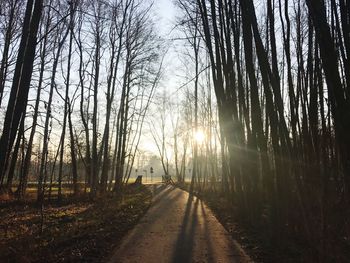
199, 136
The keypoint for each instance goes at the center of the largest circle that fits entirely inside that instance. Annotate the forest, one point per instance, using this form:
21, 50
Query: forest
244, 103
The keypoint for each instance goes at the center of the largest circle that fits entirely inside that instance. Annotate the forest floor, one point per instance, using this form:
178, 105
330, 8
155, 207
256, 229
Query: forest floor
77, 230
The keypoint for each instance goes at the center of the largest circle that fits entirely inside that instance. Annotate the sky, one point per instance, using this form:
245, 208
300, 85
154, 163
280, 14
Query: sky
165, 20
165, 9
175, 75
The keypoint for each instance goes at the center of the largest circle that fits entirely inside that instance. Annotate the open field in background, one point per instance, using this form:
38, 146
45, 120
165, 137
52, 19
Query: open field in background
67, 187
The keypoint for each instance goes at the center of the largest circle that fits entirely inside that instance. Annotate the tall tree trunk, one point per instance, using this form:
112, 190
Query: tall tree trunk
48, 117
21, 80
27, 159
340, 105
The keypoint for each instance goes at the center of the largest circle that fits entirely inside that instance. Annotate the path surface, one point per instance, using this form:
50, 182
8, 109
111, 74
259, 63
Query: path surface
178, 228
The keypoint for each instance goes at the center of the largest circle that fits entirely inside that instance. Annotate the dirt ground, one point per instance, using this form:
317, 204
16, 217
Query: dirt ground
73, 231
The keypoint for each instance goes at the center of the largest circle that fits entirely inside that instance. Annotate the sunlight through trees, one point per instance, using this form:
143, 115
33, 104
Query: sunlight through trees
243, 101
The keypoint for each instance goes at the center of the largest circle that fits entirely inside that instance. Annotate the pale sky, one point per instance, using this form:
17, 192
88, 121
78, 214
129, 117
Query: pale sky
165, 21
166, 11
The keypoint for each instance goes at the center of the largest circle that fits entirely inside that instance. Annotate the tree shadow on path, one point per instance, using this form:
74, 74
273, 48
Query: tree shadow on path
185, 241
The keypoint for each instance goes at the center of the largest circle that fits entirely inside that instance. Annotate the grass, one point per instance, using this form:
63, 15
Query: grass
78, 230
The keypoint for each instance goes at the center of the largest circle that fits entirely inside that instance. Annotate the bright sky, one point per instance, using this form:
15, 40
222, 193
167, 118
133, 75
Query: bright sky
166, 12
165, 22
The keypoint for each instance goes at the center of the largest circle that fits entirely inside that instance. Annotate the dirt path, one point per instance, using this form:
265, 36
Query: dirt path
178, 228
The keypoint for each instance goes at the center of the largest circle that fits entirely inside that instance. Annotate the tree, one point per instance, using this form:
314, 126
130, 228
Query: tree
21, 81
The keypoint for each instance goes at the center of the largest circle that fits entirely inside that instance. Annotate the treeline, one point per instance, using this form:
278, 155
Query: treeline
76, 81
280, 71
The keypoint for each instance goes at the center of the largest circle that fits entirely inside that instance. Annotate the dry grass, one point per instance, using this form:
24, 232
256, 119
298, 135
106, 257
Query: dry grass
75, 231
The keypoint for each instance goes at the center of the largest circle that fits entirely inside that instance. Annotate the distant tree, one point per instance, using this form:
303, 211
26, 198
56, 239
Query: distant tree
9, 14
